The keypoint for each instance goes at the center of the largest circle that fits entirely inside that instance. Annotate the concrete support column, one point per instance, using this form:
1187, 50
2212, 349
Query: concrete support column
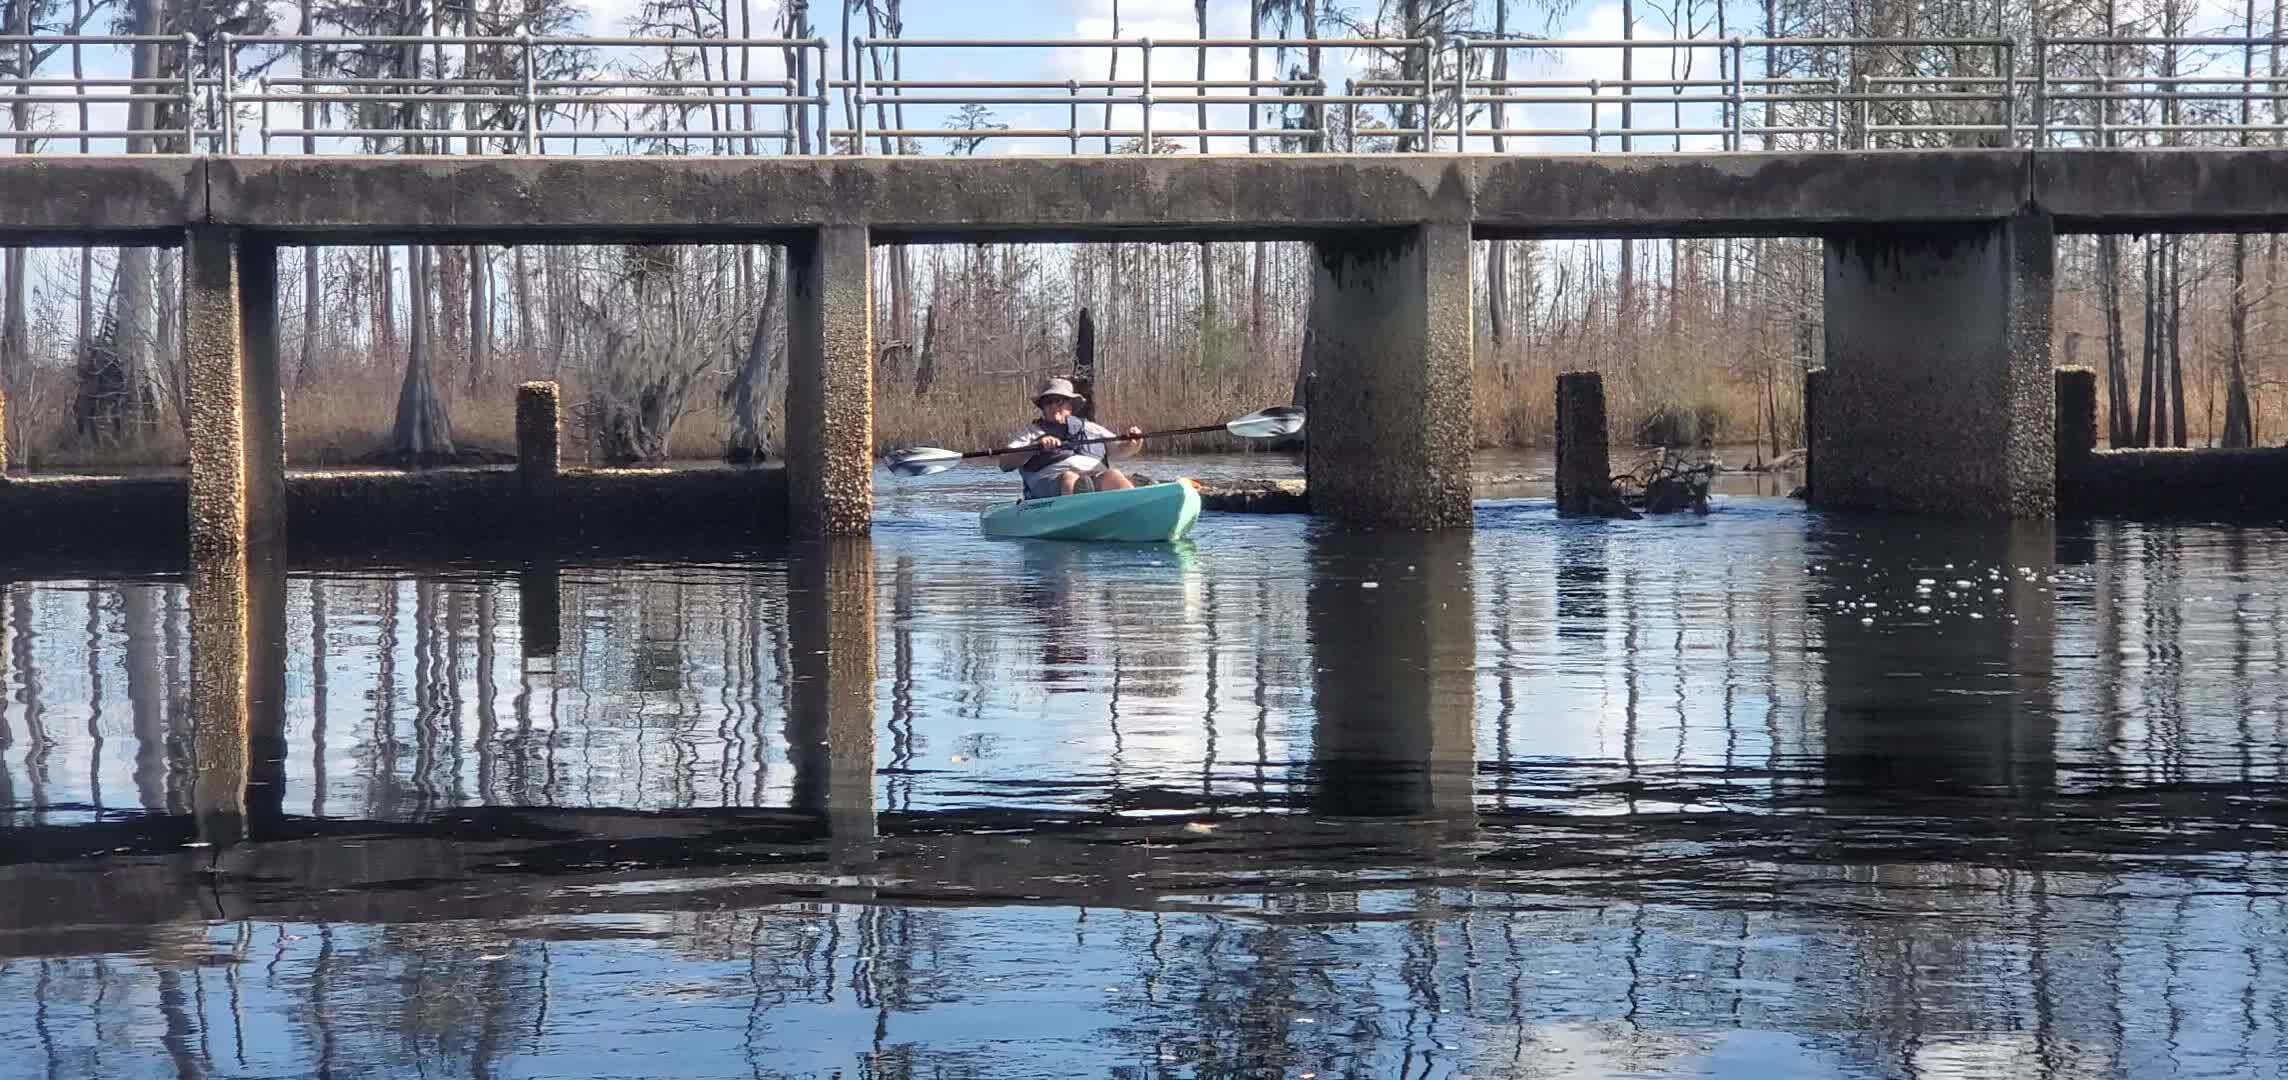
538, 434
1390, 401
2077, 430
3, 435
830, 383
237, 421
1584, 458
1939, 391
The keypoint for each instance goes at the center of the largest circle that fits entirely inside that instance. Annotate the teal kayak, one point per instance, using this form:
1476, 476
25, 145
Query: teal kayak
1158, 514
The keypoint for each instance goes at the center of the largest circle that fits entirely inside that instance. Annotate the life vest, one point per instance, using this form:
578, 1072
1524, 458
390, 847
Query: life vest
1071, 431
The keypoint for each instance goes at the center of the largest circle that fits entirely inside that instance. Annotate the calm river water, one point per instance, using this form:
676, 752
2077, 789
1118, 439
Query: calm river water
1765, 793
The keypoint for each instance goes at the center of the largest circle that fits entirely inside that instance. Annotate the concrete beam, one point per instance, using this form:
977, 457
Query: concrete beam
830, 383
1783, 194
71, 199
2183, 190
775, 198
1391, 393
1938, 396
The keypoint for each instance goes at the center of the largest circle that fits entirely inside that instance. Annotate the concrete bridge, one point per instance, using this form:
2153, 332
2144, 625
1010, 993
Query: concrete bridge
1938, 395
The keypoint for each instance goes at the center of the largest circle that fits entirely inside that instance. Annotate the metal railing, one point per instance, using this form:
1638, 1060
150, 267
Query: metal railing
682, 95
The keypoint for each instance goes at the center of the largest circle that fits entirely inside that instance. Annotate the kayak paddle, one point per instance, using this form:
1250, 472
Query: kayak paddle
1268, 423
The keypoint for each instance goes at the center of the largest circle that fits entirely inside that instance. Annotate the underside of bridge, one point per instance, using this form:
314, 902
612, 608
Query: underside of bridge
1937, 397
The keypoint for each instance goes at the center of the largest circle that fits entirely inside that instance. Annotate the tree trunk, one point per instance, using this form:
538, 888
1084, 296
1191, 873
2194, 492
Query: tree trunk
1084, 364
2147, 357
480, 318
750, 389
925, 367
2176, 298
2117, 431
423, 434
2237, 432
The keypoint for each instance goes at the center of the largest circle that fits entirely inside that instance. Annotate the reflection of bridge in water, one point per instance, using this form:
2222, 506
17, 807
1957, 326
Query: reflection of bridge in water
1397, 813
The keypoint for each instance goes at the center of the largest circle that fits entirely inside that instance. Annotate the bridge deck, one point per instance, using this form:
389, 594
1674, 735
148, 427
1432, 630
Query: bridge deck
73, 199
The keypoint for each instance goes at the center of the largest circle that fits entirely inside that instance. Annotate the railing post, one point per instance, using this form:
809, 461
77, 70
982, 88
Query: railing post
1072, 96
2042, 92
263, 128
227, 116
1739, 102
531, 93
1350, 119
1866, 113
857, 54
2105, 107
1842, 129
1146, 97
1429, 48
1596, 89
2008, 55
190, 93
1461, 95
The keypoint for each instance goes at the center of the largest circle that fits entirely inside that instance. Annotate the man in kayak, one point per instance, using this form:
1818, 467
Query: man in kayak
1054, 454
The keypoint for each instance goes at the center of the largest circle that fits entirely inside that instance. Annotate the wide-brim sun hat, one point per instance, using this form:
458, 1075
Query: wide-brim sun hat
1057, 388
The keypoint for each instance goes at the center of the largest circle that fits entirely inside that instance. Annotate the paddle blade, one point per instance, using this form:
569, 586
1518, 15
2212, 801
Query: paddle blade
921, 460
1270, 423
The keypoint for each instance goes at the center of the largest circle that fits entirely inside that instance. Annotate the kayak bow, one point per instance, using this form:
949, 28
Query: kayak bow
1159, 514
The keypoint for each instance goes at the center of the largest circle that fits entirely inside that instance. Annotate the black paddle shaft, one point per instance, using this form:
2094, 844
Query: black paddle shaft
1200, 430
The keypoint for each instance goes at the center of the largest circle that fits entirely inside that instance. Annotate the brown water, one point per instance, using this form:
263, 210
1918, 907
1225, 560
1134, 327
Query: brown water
1762, 793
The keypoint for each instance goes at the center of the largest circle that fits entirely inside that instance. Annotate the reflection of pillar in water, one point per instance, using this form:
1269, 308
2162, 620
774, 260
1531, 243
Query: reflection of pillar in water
1945, 701
1581, 581
830, 719
1394, 646
540, 605
266, 688
219, 696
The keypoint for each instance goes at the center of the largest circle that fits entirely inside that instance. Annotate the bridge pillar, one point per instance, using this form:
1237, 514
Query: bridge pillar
1938, 397
1390, 403
237, 407
830, 383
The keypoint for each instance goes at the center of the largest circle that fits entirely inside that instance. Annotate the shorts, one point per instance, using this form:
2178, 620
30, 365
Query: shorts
1049, 482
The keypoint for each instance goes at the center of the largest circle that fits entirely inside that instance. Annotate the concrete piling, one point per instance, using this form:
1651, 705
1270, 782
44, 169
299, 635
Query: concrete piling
1584, 460
237, 411
1390, 421
830, 383
539, 432
2076, 429
1939, 396
3, 436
